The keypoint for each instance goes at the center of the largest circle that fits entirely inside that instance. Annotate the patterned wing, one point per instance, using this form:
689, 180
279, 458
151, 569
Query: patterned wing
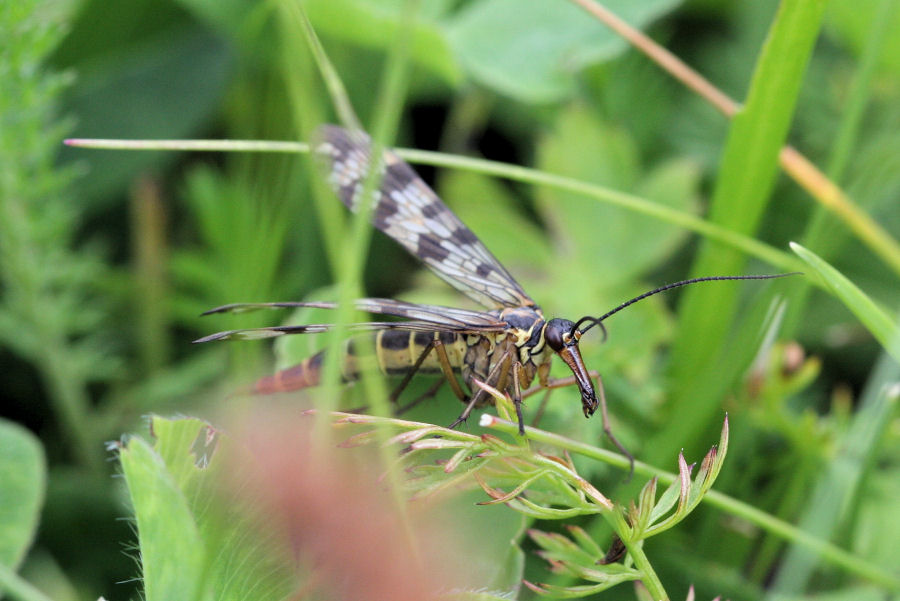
430, 314
423, 318
366, 326
411, 213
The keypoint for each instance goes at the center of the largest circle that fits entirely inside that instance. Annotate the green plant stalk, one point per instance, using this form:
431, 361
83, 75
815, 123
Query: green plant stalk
819, 235
386, 118
149, 263
648, 575
299, 75
747, 175
827, 551
738, 241
346, 258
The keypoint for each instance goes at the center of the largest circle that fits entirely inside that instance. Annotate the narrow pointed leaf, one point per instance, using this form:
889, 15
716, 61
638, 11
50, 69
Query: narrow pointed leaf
879, 324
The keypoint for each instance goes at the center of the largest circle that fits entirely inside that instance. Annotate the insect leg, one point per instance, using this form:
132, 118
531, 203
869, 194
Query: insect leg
425, 395
412, 371
606, 427
517, 395
438, 347
551, 383
495, 378
444, 360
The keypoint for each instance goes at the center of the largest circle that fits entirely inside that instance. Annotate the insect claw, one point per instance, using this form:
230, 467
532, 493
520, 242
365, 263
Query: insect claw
459, 420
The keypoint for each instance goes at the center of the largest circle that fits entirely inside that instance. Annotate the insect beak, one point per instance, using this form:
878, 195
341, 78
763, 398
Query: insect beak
572, 356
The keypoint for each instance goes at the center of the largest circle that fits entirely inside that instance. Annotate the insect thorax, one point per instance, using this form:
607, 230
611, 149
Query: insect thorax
523, 338
469, 354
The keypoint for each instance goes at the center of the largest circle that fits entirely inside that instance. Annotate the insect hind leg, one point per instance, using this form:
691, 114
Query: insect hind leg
424, 396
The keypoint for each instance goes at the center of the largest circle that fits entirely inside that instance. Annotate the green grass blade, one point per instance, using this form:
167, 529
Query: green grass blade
864, 308
842, 480
749, 167
747, 175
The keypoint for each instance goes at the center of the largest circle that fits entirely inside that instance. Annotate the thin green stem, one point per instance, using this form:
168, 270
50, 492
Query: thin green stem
336, 90
747, 244
827, 551
648, 574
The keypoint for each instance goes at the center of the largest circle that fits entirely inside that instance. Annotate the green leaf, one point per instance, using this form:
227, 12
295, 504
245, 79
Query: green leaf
172, 553
194, 543
610, 244
532, 50
743, 189
23, 477
145, 90
864, 308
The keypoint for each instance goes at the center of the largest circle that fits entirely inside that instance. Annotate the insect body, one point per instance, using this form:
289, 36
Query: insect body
486, 355
506, 346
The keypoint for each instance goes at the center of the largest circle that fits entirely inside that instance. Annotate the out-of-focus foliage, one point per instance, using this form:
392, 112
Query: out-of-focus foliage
107, 259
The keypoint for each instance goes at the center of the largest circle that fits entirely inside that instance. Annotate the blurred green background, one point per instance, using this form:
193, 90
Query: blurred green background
107, 258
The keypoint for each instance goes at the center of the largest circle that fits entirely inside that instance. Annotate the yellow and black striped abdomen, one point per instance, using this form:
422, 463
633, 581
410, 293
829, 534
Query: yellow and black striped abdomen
396, 352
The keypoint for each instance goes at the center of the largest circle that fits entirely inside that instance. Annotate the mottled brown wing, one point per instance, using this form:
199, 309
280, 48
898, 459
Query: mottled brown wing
411, 213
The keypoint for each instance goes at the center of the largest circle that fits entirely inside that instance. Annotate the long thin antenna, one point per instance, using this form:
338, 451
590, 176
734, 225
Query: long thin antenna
597, 320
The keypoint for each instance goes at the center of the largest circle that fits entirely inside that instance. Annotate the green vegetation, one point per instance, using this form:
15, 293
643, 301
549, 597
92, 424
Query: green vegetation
585, 167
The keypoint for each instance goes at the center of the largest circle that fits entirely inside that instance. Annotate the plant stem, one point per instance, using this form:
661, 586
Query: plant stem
648, 574
824, 549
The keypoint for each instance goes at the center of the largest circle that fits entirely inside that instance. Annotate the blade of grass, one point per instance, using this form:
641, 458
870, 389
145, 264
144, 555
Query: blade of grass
794, 164
744, 243
864, 308
351, 259
835, 490
301, 80
747, 175
822, 234
339, 98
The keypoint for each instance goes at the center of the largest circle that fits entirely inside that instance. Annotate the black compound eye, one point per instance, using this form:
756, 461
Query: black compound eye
557, 333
